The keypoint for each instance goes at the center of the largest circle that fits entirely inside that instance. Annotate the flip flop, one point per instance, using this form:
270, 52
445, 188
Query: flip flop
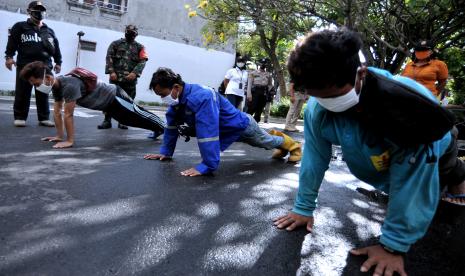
450, 198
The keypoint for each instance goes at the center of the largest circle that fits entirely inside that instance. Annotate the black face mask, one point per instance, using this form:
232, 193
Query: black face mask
37, 15
130, 36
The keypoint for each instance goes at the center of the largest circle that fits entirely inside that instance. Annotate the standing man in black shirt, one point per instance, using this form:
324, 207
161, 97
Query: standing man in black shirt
34, 41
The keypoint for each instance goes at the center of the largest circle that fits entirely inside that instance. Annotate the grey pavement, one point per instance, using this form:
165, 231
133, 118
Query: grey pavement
99, 208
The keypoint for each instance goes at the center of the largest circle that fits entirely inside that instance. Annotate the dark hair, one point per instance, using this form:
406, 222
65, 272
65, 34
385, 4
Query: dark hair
35, 69
424, 45
324, 59
165, 78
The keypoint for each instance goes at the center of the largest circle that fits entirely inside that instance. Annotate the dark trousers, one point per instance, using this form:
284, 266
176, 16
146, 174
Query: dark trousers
126, 112
23, 91
255, 108
129, 88
234, 100
451, 169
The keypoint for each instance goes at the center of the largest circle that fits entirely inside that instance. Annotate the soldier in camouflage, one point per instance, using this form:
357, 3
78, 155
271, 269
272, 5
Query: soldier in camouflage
125, 61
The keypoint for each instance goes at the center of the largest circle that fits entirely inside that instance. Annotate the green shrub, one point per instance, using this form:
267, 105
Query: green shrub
280, 109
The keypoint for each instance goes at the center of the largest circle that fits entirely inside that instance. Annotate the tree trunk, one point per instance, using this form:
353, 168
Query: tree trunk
269, 45
279, 74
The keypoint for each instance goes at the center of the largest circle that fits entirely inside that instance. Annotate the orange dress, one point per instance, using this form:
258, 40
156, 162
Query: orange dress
427, 74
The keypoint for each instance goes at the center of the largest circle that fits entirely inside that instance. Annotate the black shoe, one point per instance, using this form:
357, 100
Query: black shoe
121, 126
104, 125
154, 135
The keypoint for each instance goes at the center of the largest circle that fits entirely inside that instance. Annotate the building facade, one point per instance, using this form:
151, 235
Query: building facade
171, 38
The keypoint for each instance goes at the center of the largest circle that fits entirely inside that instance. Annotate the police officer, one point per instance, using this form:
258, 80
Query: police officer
259, 83
34, 41
126, 59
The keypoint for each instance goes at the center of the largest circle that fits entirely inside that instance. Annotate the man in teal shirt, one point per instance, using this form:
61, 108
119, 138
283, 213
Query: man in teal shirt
327, 65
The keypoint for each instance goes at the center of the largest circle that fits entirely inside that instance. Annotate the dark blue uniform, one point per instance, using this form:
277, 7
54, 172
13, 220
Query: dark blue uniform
32, 44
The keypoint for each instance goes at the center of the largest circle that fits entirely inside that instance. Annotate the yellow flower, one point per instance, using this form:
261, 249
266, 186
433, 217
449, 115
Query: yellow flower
208, 38
192, 14
202, 4
221, 36
187, 6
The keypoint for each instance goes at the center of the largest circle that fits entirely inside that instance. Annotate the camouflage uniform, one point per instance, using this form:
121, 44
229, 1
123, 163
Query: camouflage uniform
124, 57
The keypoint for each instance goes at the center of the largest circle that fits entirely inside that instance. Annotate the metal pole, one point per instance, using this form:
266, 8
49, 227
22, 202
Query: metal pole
78, 54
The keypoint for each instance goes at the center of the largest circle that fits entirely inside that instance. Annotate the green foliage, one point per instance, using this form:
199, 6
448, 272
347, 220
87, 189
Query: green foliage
280, 109
271, 25
455, 59
250, 46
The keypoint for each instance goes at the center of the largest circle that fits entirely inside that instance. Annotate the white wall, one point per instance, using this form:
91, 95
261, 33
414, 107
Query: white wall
194, 64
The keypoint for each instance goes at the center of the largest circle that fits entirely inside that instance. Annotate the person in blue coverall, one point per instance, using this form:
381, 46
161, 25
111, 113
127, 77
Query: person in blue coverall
199, 111
327, 65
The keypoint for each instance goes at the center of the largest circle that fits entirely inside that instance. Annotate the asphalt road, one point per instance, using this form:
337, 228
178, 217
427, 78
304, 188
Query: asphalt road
100, 209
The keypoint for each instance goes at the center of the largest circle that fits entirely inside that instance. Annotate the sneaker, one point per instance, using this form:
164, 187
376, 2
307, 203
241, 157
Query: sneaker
20, 123
104, 125
46, 123
121, 126
154, 135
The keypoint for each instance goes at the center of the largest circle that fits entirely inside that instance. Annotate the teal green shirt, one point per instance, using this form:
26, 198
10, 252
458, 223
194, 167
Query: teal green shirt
413, 188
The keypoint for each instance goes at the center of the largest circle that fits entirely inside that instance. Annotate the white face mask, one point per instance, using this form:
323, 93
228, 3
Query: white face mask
240, 64
46, 89
340, 103
169, 100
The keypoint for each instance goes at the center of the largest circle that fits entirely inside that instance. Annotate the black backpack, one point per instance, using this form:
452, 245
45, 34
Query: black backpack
401, 114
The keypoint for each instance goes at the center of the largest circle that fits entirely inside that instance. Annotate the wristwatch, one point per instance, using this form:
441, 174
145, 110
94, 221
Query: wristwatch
392, 251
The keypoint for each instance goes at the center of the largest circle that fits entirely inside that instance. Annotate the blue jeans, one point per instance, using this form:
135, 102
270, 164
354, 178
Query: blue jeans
258, 137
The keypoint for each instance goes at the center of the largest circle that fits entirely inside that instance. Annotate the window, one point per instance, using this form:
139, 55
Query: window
113, 6
81, 6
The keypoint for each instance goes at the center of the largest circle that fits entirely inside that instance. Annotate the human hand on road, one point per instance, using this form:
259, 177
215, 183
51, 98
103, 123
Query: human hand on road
191, 172
52, 139
293, 220
131, 76
9, 62
57, 68
156, 156
386, 263
113, 76
62, 145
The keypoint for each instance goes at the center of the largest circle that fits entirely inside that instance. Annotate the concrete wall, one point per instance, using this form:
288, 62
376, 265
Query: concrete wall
195, 64
164, 19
